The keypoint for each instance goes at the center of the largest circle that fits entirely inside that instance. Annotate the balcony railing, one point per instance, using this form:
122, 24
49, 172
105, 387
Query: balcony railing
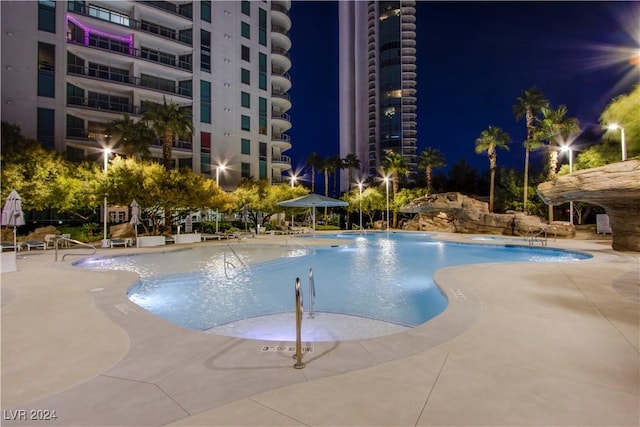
279, 51
108, 75
280, 30
185, 10
280, 116
279, 8
102, 105
277, 71
115, 46
281, 159
177, 144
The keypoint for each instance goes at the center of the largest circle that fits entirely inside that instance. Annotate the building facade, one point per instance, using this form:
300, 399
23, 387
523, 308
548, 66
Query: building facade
377, 83
71, 67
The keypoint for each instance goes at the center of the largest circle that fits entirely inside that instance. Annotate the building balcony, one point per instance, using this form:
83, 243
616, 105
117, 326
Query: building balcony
119, 47
280, 37
184, 144
280, 16
281, 100
280, 58
280, 78
280, 121
105, 75
183, 10
281, 141
281, 163
122, 19
103, 105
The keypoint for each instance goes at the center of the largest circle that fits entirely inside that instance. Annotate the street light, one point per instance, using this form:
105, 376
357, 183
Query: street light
615, 126
293, 180
386, 181
105, 241
218, 169
360, 199
570, 150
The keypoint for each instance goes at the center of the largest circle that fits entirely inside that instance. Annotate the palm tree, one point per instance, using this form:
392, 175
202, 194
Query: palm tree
351, 162
168, 121
335, 165
135, 137
314, 161
490, 139
529, 105
555, 128
394, 165
430, 159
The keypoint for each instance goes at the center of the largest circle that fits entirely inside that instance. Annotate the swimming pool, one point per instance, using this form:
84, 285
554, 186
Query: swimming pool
383, 276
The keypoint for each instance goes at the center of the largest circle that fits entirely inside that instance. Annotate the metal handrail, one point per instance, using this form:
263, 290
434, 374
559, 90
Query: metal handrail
225, 262
58, 239
533, 236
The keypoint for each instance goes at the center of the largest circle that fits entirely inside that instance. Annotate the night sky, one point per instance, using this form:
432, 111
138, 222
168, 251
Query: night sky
474, 60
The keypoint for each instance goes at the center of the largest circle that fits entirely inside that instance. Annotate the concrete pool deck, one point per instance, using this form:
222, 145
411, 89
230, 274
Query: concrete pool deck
520, 344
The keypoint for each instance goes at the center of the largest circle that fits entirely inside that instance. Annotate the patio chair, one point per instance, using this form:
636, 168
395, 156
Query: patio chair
119, 242
9, 246
49, 241
37, 244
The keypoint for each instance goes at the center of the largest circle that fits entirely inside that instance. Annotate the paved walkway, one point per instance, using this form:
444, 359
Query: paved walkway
519, 344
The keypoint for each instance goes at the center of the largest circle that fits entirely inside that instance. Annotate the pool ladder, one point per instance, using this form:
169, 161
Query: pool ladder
56, 245
224, 256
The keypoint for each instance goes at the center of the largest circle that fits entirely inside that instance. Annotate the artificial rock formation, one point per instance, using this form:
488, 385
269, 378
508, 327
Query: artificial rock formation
615, 187
457, 213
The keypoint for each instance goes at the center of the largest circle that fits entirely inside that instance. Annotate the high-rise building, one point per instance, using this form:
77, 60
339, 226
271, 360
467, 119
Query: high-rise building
71, 67
377, 82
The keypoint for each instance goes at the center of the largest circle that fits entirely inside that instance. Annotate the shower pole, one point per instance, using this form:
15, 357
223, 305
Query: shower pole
299, 364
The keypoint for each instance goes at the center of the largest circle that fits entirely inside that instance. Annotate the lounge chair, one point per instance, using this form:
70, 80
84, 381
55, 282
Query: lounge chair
9, 246
119, 242
35, 244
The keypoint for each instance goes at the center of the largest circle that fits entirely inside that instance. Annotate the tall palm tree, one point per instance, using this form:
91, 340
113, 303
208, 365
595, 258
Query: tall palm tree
134, 137
314, 160
555, 128
395, 166
530, 104
351, 162
168, 121
490, 139
430, 159
335, 165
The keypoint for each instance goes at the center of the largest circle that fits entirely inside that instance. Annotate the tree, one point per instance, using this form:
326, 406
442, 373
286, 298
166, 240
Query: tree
490, 139
530, 104
134, 137
314, 161
395, 166
430, 159
372, 201
351, 162
335, 166
624, 110
168, 121
261, 199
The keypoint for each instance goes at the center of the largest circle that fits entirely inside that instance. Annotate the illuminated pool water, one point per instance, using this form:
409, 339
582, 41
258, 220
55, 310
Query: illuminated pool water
382, 276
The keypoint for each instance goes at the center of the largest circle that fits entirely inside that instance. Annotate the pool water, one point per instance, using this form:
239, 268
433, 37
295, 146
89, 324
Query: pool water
382, 276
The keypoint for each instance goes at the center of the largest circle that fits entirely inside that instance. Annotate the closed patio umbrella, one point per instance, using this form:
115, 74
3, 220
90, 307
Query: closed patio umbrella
135, 217
313, 201
12, 214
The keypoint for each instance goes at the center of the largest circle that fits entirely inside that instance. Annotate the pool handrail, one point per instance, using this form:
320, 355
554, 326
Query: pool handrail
57, 239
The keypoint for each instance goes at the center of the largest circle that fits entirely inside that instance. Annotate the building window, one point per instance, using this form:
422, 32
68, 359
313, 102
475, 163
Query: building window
46, 70
186, 36
245, 122
205, 143
245, 76
205, 51
263, 169
262, 71
185, 88
47, 16
75, 127
245, 30
246, 53
262, 27
205, 101
262, 115
205, 10
246, 7
245, 170
46, 127
245, 99
245, 146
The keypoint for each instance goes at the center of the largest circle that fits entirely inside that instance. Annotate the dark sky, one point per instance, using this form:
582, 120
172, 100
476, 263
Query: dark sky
474, 59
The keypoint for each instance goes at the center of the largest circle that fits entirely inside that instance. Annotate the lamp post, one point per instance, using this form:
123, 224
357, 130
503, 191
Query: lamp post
386, 181
615, 126
218, 169
568, 148
293, 180
105, 241
360, 199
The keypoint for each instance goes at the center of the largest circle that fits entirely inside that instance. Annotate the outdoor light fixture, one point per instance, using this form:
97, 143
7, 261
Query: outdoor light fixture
105, 241
360, 199
615, 126
293, 180
568, 148
221, 167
